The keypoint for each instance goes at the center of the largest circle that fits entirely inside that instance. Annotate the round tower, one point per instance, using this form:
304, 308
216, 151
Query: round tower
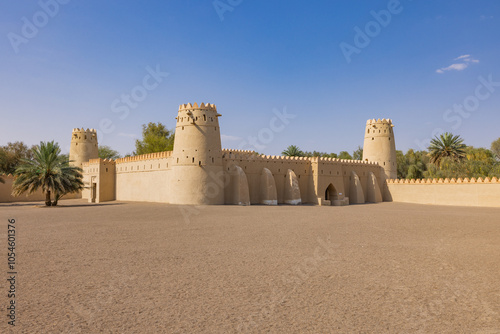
198, 176
379, 146
83, 146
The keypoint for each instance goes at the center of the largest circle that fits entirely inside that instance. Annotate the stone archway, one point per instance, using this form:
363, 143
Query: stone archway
331, 193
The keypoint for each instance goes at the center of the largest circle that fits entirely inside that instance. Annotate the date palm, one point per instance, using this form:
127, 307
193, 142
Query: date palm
293, 151
48, 170
446, 145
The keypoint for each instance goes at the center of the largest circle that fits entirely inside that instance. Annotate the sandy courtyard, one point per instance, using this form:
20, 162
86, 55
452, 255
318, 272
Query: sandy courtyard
155, 268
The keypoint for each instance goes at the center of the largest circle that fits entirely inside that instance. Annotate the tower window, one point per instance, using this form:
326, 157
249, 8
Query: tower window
373, 138
205, 118
368, 131
193, 159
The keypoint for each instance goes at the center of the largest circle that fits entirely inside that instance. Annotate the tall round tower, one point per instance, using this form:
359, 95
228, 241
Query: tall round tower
197, 172
83, 146
379, 146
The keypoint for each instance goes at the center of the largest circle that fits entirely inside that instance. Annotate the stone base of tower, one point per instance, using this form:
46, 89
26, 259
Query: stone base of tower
197, 185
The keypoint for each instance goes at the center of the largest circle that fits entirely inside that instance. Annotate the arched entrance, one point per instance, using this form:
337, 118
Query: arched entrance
331, 193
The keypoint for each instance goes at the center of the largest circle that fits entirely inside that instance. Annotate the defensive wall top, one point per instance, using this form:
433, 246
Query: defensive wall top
98, 161
206, 106
249, 155
82, 130
443, 181
142, 157
379, 121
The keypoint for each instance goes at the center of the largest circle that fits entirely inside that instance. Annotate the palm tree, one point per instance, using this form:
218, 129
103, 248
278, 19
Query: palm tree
447, 145
293, 151
48, 170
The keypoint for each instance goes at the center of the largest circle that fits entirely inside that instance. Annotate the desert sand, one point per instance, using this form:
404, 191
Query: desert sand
153, 268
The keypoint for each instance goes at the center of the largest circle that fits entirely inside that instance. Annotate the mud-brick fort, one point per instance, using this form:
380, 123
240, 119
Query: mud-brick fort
199, 171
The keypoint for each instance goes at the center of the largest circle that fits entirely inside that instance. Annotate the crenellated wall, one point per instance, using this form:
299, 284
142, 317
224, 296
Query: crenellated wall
463, 192
320, 180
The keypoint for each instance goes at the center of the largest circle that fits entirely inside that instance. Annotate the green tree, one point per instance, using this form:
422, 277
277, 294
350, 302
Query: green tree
358, 153
155, 138
446, 145
106, 152
12, 153
48, 170
345, 155
2, 161
495, 148
293, 151
320, 154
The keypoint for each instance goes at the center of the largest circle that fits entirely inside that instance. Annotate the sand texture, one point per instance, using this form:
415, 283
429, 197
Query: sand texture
155, 268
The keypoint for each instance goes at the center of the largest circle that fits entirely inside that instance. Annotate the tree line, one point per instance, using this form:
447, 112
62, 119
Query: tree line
446, 157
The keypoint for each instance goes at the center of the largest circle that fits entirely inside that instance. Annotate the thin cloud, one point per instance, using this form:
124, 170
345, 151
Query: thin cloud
466, 60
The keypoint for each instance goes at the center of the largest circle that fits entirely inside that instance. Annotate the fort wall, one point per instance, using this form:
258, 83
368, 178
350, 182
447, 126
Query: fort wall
6, 192
319, 179
37, 196
462, 192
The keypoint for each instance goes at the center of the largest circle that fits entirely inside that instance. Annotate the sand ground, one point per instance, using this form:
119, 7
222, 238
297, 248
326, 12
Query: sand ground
155, 268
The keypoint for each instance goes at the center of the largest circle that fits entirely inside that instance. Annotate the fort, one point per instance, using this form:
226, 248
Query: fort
199, 172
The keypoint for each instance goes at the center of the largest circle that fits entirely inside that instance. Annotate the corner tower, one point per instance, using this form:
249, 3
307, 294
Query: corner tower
379, 146
83, 146
198, 176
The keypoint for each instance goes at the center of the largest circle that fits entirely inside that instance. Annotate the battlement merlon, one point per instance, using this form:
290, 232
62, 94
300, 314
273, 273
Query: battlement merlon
379, 121
205, 106
82, 130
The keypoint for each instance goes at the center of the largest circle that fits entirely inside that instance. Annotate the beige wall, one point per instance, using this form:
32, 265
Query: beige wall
314, 174
144, 178
440, 193
6, 190
6, 193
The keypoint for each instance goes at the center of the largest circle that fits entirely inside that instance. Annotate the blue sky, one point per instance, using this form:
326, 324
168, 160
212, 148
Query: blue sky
430, 66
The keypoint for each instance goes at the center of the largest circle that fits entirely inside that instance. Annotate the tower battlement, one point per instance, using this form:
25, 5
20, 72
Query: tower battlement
82, 135
379, 121
83, 130
189, 106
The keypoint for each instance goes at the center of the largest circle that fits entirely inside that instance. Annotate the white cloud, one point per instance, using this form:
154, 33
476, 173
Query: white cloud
466, 60
230, 138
